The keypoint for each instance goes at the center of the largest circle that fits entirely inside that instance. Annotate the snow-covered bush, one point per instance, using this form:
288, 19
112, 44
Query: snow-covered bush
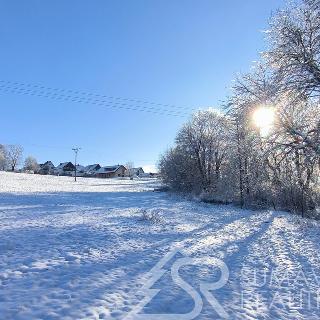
152, 215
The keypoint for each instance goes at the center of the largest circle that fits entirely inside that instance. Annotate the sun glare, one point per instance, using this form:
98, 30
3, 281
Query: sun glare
263, 119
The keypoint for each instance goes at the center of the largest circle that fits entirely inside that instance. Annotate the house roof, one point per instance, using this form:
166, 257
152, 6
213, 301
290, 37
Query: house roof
63, 164
47, 163
110, 169
92, 167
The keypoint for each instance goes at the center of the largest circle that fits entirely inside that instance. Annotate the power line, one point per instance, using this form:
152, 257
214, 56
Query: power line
95, 102
76, 99
95, 95
85, 97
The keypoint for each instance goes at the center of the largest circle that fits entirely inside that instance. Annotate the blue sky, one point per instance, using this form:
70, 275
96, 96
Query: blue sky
179, 52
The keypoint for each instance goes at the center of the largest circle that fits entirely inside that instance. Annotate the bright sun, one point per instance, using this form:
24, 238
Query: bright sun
263, 118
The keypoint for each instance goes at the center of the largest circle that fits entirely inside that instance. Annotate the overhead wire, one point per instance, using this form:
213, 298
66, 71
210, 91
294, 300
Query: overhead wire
95, 94
88, 98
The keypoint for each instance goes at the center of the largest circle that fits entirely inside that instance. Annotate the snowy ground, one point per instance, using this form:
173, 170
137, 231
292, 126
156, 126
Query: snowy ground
82, 251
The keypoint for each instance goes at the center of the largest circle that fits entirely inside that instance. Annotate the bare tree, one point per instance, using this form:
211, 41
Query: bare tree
14, 155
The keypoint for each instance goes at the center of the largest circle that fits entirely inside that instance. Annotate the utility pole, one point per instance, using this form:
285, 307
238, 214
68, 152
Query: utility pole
76, 150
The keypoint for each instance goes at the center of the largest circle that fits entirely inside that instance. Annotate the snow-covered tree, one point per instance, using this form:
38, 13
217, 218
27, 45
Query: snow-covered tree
197, 161
265, 150
3, 157
129, 169
31, 164
294, 47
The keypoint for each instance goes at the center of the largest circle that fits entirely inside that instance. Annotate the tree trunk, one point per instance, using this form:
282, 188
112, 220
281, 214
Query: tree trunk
240, 167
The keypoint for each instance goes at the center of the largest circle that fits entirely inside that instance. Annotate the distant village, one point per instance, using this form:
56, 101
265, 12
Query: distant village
92, 170
11, 157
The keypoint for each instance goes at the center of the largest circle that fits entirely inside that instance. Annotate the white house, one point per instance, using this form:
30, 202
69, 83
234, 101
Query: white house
134, 172
111, 171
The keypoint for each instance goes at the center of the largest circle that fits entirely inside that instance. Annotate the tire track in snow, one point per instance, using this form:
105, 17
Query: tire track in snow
216, 242
272, 257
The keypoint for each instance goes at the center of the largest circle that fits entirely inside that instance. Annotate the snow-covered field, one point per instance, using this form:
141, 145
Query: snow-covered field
85, 250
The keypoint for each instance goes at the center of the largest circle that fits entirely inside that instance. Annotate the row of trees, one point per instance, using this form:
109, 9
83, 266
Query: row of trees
11, 157
264, 149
